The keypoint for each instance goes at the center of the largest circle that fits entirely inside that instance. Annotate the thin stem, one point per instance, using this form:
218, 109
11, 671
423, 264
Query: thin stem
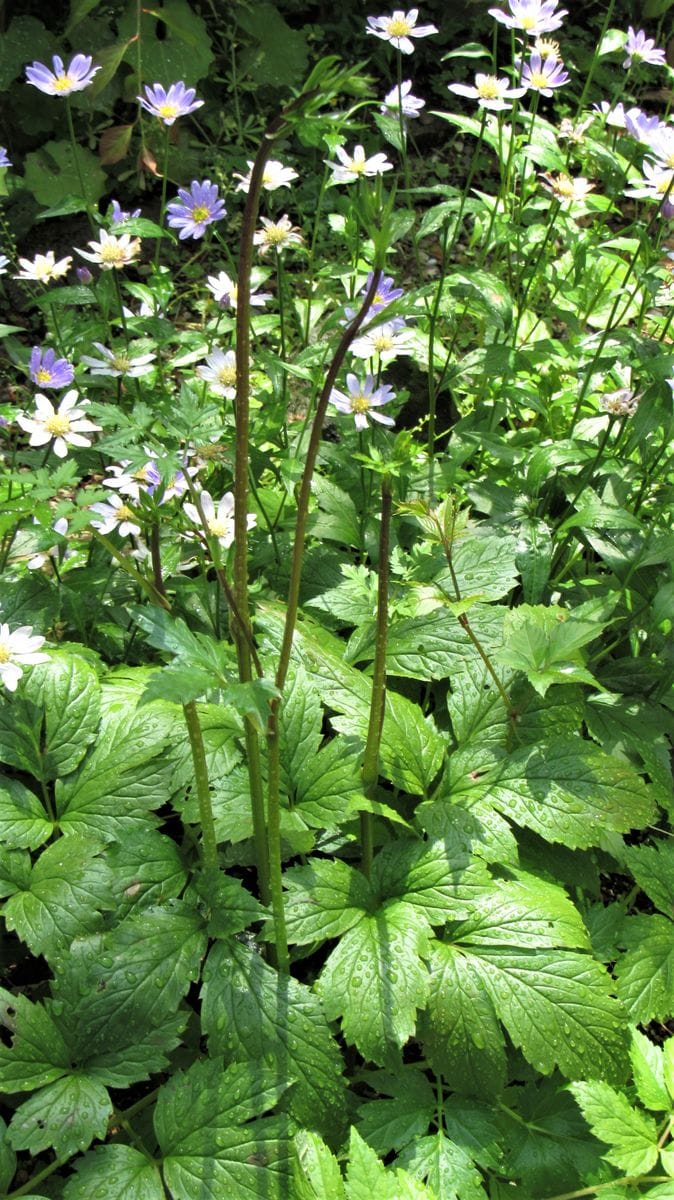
78, 165
33, 1182
164, 183
370, 772
628, 1181
209, 843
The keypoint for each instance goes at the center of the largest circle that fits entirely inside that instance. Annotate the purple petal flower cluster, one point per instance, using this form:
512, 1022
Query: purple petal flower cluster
48, 371
195, 209
118, 214
639, 48
533, 17
385, 294
178, 101
62, 80
4, 161
543, 74
362, 398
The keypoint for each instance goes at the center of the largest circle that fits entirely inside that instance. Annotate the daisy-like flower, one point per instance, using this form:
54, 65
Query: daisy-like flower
385, 341
62, 80
112, 252
18, 649
39, 560
196, 209
44, 267
178, 101
566, 190
411, 105
547, 47
116, 515
65, 426
399, 28
220, 373
645, 129
352, 167
533, 17
640, 48
225, 291
613, 114
116, 363
118, 214
661, 144
543, 74
573, 131
489, 91
220, 520
276, 235
621, 403
4, 263
385, 294
362, 398
658, 183
274, 176
4, 161
47, 370
132, 483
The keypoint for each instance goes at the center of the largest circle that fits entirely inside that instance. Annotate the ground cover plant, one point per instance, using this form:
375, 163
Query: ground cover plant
336, 609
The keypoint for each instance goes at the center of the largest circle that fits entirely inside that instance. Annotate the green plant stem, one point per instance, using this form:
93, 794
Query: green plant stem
627, 1181
78, 166
164, 184
370, 772
35, 1180
208, 839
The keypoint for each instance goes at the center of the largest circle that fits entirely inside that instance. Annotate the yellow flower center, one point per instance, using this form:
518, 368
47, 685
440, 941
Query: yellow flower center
547, 48
538, 79
199, 213
168, 110
4, 653
63, 83
124, 513
274, 235
267, 176
112, 252
227, 376
664, 185
120, 362
219, 528
379, 298
141, 474
233, 295
42, 270
57, 425
398, 27
528, 22
488, 89
357, 166
565, 187
360, 403
383, 342
43, 376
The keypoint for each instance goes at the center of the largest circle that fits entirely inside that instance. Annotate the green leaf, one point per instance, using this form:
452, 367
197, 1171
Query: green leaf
570, 791
23, 821
79, 9
7, 1158
324, 899
39, 1053
445, 1167
460, 1032
316, 1173
391, 1124
438, 647
557, 1007
121, 779
368, 1177
175, 40
53, 173
484, 564
546, 1138
544, 642
112, 1172
68, 889
653, 869
281, 56
67, 689
438, 878
20, 730
23, 41
632, 1136
229, 907
649, 1073
108, 59
328, 785
524, 912
300, 720
250, 1013
646, 972
66, 1116
147, 869
337, 517
375, 981
211, 1146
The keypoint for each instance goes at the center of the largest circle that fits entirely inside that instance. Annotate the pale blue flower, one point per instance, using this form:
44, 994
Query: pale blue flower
178, 101
639, 48
362, 398
62, 81
46, 370
196, 209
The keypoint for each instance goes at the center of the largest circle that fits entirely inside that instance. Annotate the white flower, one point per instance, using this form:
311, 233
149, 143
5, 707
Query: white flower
132, 483
225, 290
116, 515
112, 251
60, 526
220, 520
275, 175
411, 105
567, 190
44, 267
354, 166
399, 28
3, 264
66, 424
18, 650
489, 91
386, 341
276, 235
117, 363
220, 373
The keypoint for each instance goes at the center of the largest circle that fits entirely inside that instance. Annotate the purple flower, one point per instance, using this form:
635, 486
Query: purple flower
385, 294
4, 161
532, 16
195, 209
411, 105
62, 81
639, 48
118, 214
46, 370
661, 145
168, 106
543, 74
362, 398
642, 127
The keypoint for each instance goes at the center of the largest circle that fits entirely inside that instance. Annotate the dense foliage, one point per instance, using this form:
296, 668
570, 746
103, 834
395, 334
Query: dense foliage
336, 610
